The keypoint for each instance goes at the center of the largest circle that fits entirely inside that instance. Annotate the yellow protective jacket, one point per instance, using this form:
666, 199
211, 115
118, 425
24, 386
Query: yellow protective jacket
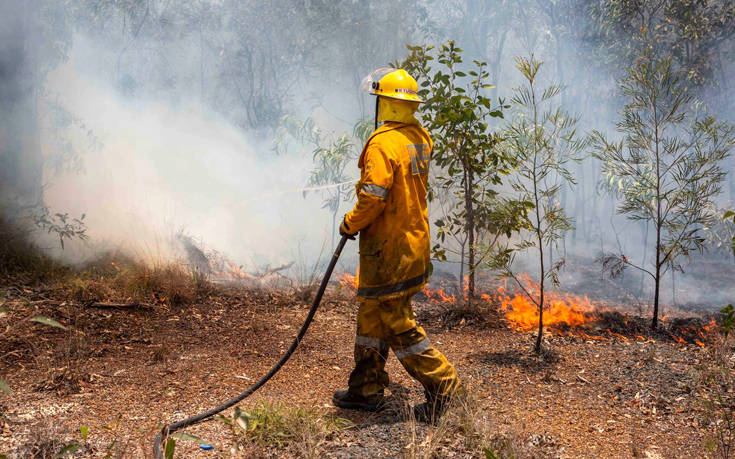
391, 212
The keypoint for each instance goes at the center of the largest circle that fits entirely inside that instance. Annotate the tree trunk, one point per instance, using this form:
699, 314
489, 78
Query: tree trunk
461, 271
654, 323
539, 235
537, 348
657, 280
470, 211
659, 222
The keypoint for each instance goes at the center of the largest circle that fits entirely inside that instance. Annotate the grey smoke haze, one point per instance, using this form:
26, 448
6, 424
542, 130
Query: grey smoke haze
160, 169
170, 108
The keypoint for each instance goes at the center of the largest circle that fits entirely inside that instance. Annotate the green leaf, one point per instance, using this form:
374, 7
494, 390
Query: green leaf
188, 437
47, 321
728, 320
170, 447
69, 449
4, 387
223, 419
85, 431
489, 454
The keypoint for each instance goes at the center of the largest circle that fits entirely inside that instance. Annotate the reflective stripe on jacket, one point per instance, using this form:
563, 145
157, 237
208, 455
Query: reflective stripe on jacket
391, 212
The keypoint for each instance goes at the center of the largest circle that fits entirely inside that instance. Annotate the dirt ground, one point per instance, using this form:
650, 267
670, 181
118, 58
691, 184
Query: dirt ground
124, 372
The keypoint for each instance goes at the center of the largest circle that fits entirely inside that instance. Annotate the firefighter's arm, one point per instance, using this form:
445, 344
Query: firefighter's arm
375, 183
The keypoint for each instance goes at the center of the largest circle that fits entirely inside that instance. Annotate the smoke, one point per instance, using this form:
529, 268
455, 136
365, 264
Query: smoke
156, 118
158, 170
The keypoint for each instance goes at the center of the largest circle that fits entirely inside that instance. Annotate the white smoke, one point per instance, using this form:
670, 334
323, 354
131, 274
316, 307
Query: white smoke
160, 170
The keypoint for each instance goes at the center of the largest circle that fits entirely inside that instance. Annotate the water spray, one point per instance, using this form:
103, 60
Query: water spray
171, 428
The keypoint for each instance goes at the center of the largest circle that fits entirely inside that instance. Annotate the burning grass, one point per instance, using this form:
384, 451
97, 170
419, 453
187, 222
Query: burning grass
562, 310
564, 313
113, 277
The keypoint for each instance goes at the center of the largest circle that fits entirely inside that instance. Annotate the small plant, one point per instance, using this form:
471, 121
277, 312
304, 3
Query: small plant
543, 138
666, 169
278, 426
47, 442
458, 113
717, 392
728, 319
61, 225
173, 283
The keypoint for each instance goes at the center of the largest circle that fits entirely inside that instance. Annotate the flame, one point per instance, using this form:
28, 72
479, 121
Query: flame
563, 313
618, 335
559, 308
439, 296
349, 281
592, 337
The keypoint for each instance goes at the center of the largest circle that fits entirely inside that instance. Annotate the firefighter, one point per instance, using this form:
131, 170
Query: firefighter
392, 220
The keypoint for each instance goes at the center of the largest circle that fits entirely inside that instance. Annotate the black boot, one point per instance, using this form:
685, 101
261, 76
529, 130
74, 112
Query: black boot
350, 401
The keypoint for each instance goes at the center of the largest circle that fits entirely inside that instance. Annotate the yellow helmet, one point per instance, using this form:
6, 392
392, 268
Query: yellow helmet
392, 83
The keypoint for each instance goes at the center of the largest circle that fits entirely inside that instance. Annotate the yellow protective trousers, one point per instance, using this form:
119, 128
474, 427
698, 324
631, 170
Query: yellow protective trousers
391, 324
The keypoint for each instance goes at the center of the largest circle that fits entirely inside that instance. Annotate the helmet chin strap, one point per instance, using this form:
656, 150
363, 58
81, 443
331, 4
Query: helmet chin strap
377, 104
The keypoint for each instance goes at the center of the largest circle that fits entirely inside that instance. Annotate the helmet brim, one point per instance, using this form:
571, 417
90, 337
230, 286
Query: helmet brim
404, 97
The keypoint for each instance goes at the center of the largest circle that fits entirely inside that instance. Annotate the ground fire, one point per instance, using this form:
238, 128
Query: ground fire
564, 313
530, 207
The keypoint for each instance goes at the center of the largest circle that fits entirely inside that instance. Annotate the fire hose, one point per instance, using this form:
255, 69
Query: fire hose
171, 428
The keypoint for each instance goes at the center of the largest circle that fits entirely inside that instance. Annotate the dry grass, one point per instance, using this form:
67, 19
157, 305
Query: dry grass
112, 278
716, 383
273, 426
467, 425
47, 441
19, 257
172, 283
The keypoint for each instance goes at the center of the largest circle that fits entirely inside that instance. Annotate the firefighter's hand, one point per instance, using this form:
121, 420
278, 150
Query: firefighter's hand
344, 230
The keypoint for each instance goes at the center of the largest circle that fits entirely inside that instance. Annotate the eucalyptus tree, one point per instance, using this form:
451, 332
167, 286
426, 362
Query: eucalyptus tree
666, 168
457, 111
543, 139
696, 34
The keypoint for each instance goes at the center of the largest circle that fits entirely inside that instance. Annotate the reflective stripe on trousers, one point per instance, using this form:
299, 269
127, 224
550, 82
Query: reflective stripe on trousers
375, 343
414, 349
391, 323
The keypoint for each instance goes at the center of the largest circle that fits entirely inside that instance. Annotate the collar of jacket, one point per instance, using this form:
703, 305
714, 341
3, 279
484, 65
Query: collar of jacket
385, 127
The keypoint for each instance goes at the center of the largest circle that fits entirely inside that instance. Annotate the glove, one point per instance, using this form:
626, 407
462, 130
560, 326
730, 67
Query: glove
344, 231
